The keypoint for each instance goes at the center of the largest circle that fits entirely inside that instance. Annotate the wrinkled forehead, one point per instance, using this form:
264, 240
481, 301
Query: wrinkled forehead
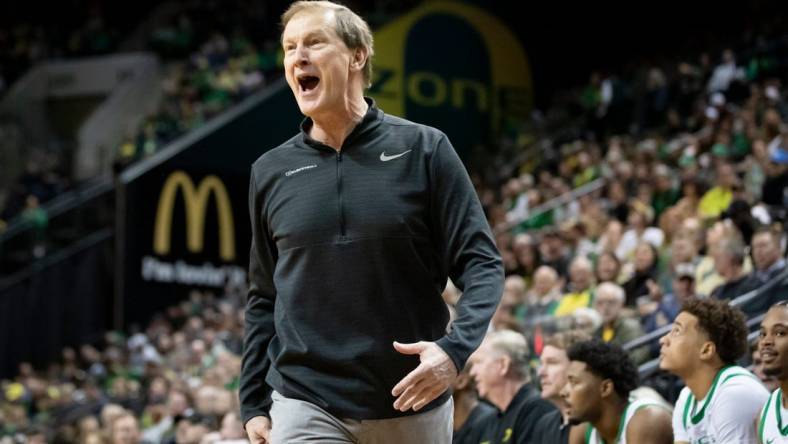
308, 22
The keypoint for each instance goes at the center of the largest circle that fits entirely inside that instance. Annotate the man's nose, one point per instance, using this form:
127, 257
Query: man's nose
301, 55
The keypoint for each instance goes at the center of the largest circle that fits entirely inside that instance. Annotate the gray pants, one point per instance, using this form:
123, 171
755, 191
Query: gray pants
294, 421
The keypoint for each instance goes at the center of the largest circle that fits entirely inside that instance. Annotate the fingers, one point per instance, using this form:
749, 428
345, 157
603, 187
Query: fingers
411, 394
412, 378
428, 397
421, 395
409, 349
258, 430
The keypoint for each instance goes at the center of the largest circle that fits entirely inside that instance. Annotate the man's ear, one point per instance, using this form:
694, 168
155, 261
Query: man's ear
606, 388
506, 364
707, 351
359, 59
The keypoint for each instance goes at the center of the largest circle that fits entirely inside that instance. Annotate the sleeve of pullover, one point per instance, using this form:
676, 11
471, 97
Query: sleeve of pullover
254, 393
466, 248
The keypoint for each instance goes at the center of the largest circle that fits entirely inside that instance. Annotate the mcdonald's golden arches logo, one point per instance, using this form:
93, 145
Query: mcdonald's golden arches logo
195, 202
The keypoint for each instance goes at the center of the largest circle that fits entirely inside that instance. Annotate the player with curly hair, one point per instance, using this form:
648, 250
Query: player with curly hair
599, 380
721, 400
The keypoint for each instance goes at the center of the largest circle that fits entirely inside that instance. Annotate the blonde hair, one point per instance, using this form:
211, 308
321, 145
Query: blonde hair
351, 28
565, 339
513, 345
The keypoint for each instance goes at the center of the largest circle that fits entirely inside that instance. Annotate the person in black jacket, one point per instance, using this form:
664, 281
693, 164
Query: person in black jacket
501, 370
646, 258
357, 222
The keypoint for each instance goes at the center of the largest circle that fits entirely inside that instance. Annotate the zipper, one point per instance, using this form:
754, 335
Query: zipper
339, 195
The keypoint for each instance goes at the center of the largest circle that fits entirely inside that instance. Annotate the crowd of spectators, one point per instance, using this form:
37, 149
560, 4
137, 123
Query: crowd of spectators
174, 381
77, 29
27, 37
687, 166
684, 198
213, 58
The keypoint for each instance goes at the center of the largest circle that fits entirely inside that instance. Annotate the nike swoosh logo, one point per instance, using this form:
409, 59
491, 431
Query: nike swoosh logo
386, 158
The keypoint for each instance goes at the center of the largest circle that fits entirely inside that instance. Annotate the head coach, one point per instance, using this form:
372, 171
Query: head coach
357, 223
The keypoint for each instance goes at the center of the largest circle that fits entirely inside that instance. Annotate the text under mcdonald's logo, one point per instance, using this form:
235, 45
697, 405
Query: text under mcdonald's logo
196, 203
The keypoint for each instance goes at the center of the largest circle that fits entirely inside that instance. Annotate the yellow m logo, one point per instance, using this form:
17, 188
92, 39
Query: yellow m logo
196, 201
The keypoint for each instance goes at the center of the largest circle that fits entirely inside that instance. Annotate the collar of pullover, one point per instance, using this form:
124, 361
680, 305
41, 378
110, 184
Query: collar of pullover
370, 121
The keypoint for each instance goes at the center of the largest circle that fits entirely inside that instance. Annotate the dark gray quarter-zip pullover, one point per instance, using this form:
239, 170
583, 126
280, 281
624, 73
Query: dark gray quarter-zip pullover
351, 251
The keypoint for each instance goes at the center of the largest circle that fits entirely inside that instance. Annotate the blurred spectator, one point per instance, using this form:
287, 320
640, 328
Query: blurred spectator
608, 268
580, 291
640, 218
527, 255
717, 199
707, 278
506, 315
725, 73
729, 263
543, 298
553, 251
767, 255
125, 429
665, 194
661, 309
645, 269
616, 328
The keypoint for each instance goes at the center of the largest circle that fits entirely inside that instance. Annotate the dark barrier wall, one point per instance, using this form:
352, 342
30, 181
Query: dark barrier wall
186, 218
63, 303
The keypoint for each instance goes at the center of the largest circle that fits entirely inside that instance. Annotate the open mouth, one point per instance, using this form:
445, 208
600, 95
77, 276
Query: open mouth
308, 83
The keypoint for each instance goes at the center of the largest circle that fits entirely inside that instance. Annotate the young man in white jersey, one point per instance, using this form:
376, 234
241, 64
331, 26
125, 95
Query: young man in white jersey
599, 380
721, 400
772, 425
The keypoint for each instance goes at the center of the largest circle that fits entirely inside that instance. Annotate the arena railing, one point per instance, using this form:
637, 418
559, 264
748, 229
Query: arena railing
554, 203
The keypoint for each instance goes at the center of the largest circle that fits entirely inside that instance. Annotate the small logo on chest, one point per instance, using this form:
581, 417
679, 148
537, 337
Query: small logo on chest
385, 158
298, 170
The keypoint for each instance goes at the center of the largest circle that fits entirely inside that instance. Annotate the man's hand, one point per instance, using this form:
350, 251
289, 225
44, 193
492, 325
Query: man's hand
431, 378
259, 429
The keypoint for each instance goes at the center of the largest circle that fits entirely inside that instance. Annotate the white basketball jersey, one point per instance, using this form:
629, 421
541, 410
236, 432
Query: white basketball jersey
772, 428
732, 404
592, 436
